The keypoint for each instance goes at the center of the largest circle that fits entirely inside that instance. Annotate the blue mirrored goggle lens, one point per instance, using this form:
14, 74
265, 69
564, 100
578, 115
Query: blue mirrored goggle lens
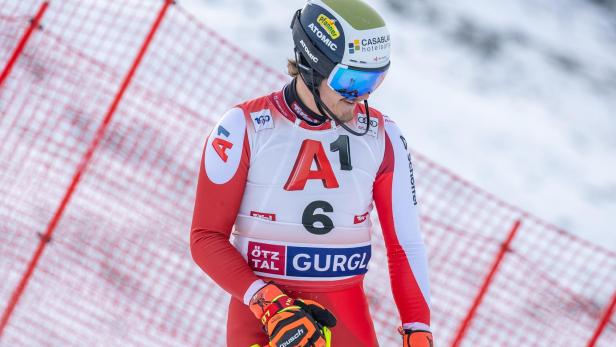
352, 83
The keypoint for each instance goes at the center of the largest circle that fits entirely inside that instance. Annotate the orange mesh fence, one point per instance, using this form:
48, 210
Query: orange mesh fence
98, 168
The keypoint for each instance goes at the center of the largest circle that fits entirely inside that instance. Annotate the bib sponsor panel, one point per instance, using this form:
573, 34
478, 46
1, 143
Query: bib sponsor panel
362, 124
327, 262
267, 258
307, 262
361, 218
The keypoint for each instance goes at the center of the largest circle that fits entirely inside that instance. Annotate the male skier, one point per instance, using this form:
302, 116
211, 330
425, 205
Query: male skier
297, 172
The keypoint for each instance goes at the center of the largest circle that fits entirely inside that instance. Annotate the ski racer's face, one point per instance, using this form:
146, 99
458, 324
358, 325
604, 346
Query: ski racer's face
339, 105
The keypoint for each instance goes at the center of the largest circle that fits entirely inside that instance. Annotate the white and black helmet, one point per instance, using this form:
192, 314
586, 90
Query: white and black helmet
347, 32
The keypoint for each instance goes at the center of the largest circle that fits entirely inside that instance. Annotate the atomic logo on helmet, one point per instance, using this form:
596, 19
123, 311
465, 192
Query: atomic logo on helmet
322, 37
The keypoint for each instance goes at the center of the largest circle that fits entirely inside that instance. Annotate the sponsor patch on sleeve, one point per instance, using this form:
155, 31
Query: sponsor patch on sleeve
262, 119
223, 151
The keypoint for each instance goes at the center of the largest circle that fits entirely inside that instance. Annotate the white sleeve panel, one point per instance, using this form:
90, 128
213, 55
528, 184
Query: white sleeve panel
224, 148
405, 211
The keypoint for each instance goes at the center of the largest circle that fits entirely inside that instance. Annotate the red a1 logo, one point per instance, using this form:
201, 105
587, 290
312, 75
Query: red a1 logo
221, 145
311, 151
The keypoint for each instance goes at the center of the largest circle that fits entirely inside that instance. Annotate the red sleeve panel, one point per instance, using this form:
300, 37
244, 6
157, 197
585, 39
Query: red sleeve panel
394, 197
222, 179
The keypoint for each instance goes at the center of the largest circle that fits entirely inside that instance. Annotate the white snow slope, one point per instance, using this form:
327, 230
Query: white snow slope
518, 96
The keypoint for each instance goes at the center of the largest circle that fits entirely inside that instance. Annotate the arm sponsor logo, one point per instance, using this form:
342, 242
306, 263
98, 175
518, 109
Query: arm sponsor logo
312, 262
410, 169
388, 120
262, 119
223, 152
221, 145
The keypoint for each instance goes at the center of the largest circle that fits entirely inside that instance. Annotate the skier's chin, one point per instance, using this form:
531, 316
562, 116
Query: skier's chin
346, 110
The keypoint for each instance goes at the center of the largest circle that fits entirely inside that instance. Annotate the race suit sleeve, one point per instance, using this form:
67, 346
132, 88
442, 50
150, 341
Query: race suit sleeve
222, 179
396, 203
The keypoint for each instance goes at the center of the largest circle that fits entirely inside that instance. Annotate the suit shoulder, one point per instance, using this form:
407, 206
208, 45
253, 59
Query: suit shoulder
257, 103
259, 112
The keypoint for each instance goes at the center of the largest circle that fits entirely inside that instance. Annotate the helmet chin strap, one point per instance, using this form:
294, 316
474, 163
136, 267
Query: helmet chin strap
323, 109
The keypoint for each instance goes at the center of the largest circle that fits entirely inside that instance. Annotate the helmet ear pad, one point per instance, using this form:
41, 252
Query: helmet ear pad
309, 75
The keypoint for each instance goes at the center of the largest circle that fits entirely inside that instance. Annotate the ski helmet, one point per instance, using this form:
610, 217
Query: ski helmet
346, 32
345, 42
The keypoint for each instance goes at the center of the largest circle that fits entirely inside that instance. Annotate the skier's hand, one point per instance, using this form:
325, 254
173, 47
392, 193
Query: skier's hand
289, 322
415, 338
319, 313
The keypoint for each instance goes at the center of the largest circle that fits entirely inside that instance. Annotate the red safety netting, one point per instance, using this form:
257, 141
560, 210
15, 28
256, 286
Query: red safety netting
118, 270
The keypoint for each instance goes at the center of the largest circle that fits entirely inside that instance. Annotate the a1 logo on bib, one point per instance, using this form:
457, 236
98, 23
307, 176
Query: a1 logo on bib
362, 121
262, 119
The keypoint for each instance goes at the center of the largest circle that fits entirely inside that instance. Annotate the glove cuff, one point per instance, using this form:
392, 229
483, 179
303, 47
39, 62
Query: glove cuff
416, 338
268, 301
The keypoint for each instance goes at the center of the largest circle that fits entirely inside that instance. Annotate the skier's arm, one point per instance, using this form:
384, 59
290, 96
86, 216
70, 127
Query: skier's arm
222, 179
394, 196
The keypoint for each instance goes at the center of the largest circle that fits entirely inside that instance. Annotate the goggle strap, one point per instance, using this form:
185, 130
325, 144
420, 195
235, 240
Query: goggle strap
307, 69
326, 111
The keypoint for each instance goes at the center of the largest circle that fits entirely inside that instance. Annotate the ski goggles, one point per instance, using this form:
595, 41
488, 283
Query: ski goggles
352, 83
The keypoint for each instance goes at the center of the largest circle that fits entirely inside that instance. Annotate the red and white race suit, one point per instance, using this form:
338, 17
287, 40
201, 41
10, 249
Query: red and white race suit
300, 198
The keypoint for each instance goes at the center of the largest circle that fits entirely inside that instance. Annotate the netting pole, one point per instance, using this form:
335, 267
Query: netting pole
34, 23
46, 237
486, 284
607, 315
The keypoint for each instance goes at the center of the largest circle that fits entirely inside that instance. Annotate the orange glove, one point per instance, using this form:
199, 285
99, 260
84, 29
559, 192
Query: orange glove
290, 322
415, 338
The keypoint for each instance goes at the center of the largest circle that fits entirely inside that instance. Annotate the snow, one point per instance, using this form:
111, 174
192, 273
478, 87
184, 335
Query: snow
518, 96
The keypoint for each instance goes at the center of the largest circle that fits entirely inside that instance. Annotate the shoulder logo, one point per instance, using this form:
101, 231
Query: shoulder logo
262, 119
221, 145
224, 148
362, 121
329, 25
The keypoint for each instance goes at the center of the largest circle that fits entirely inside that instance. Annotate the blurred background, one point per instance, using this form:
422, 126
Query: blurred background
518, 96
105, 106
